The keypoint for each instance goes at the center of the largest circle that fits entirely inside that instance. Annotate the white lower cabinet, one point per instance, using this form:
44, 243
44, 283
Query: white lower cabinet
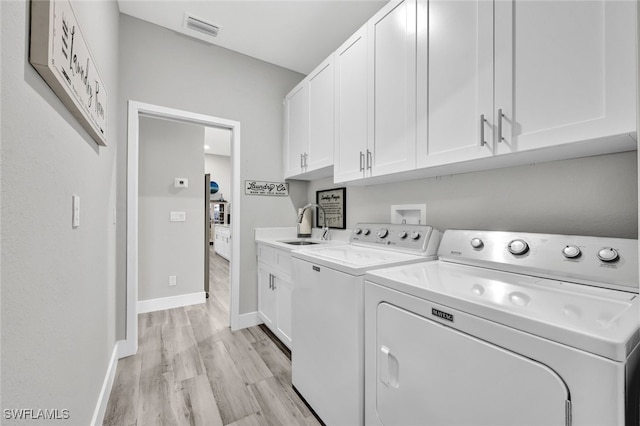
274, 291
222, 241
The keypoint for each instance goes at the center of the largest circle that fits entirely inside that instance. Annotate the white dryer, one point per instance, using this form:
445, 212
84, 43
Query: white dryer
506, 329
328, 313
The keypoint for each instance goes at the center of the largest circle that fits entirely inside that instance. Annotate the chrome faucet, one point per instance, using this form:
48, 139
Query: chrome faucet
325, 228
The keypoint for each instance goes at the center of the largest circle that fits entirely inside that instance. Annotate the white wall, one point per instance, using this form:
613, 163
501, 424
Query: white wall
219, 166
161, 67
167, 150
58, 283
587, 196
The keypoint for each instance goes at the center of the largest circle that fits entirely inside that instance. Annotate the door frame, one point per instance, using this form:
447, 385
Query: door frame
129, 346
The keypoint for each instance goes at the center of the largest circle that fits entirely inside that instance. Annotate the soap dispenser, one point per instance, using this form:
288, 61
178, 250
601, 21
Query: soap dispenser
304, 227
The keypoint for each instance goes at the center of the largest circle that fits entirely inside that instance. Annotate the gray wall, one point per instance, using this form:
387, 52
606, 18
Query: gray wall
219, 166
161, 67
168, 150
587, 196
58, 283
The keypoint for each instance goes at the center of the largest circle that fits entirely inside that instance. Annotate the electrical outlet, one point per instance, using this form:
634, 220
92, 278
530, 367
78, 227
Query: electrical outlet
172, 280
75, 216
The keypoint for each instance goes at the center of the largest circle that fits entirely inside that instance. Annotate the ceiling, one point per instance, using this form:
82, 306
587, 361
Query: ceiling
294, 34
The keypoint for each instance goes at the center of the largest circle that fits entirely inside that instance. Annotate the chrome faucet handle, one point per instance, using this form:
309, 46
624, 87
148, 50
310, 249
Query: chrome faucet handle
325, 233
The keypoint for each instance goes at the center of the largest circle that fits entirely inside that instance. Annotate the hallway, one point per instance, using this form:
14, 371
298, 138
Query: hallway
191, 369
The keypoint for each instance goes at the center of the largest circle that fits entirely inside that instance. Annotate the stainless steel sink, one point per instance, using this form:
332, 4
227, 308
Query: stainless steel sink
299, 243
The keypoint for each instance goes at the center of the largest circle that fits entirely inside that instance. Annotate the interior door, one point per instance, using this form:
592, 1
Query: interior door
207, 232
428, 373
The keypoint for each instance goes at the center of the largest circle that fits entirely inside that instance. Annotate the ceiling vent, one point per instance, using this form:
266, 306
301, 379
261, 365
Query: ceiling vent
200, 25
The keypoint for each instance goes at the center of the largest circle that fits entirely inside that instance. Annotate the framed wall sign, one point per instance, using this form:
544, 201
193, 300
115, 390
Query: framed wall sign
256, 187
60, 54
334, 203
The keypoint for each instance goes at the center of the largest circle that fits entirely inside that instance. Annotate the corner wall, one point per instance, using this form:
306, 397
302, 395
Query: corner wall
58, 283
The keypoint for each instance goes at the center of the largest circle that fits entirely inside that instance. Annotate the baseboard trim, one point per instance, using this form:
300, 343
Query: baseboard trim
103, 398
247, 320
172, 302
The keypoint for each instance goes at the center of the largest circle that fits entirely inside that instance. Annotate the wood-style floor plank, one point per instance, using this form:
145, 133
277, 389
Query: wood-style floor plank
191, 369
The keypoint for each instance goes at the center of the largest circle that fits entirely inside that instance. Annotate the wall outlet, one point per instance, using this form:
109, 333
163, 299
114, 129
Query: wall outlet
75, 216
181, 182
172, 280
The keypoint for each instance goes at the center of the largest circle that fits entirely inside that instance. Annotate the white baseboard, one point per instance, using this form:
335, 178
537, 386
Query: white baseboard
152, 305
103, 398
247, 320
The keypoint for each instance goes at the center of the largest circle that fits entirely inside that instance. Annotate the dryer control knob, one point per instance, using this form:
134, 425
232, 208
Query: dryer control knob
518, 247
476, 243
415, 235
402, 235
608, 254
571, 252
383, 232
366, 231
357, 231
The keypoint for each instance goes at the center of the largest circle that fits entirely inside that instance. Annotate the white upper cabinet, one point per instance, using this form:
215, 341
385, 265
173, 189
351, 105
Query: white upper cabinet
296, 129
351, 108
392, 86
454, 81
565, 72
309, 129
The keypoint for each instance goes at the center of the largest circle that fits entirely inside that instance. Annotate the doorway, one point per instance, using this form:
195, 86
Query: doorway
136, 110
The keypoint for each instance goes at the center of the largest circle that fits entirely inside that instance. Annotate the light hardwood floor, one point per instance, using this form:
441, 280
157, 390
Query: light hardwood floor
191, 369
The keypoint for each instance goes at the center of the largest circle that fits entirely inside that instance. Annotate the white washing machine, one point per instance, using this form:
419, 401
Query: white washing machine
506, 329
328, 313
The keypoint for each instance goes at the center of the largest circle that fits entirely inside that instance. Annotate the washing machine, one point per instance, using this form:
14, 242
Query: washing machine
505, 329
327, 353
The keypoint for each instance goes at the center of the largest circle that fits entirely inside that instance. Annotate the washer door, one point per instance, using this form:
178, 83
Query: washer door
428, 373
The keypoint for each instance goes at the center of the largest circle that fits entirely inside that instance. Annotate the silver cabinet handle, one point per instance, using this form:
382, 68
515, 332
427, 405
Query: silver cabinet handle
369, 160
270, 281
301, 161
273, 286
482, 122
500, 116
361, 161
306, 164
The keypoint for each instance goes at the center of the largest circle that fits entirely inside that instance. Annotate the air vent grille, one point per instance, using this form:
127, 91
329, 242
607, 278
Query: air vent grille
197, 24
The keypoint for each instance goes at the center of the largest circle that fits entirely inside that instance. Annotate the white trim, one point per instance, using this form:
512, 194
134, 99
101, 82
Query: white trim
248, 320
105, 392
130, 345
162, 303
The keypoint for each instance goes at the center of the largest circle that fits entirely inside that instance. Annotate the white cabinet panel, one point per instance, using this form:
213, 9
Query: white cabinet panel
565, 71
284, 290
454, 81
392, 79
321, 116
296, 129
266, 295
351, 108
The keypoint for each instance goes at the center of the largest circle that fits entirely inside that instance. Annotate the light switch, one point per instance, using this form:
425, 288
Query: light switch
181, 183
75, 215
178, 217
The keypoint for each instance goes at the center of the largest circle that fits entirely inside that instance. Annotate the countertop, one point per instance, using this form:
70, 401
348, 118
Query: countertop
274, 237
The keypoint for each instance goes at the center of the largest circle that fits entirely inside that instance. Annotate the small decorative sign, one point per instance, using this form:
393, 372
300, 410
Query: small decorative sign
255, 187
60, 54
334, 202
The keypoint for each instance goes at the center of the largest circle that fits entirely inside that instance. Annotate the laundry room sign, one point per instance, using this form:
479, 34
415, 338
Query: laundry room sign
254, 187
60, 54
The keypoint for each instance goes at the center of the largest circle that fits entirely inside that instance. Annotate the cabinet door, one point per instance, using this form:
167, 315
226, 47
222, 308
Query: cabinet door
351, 108
565, 71
266, 295
283, 290
454, 81
321, 116
296, 129
392, 80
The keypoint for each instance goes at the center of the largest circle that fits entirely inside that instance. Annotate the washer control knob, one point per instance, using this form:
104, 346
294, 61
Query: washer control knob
608, 254
477, 243
518, 247
571, 252
357, 231
383, 232
402, 235
366, 231
415, 235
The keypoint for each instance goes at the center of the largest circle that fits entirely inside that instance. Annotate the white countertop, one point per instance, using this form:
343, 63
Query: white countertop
275, 236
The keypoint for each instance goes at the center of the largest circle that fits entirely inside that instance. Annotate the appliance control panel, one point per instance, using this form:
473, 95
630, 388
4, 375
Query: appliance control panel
421, 240
603, 262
